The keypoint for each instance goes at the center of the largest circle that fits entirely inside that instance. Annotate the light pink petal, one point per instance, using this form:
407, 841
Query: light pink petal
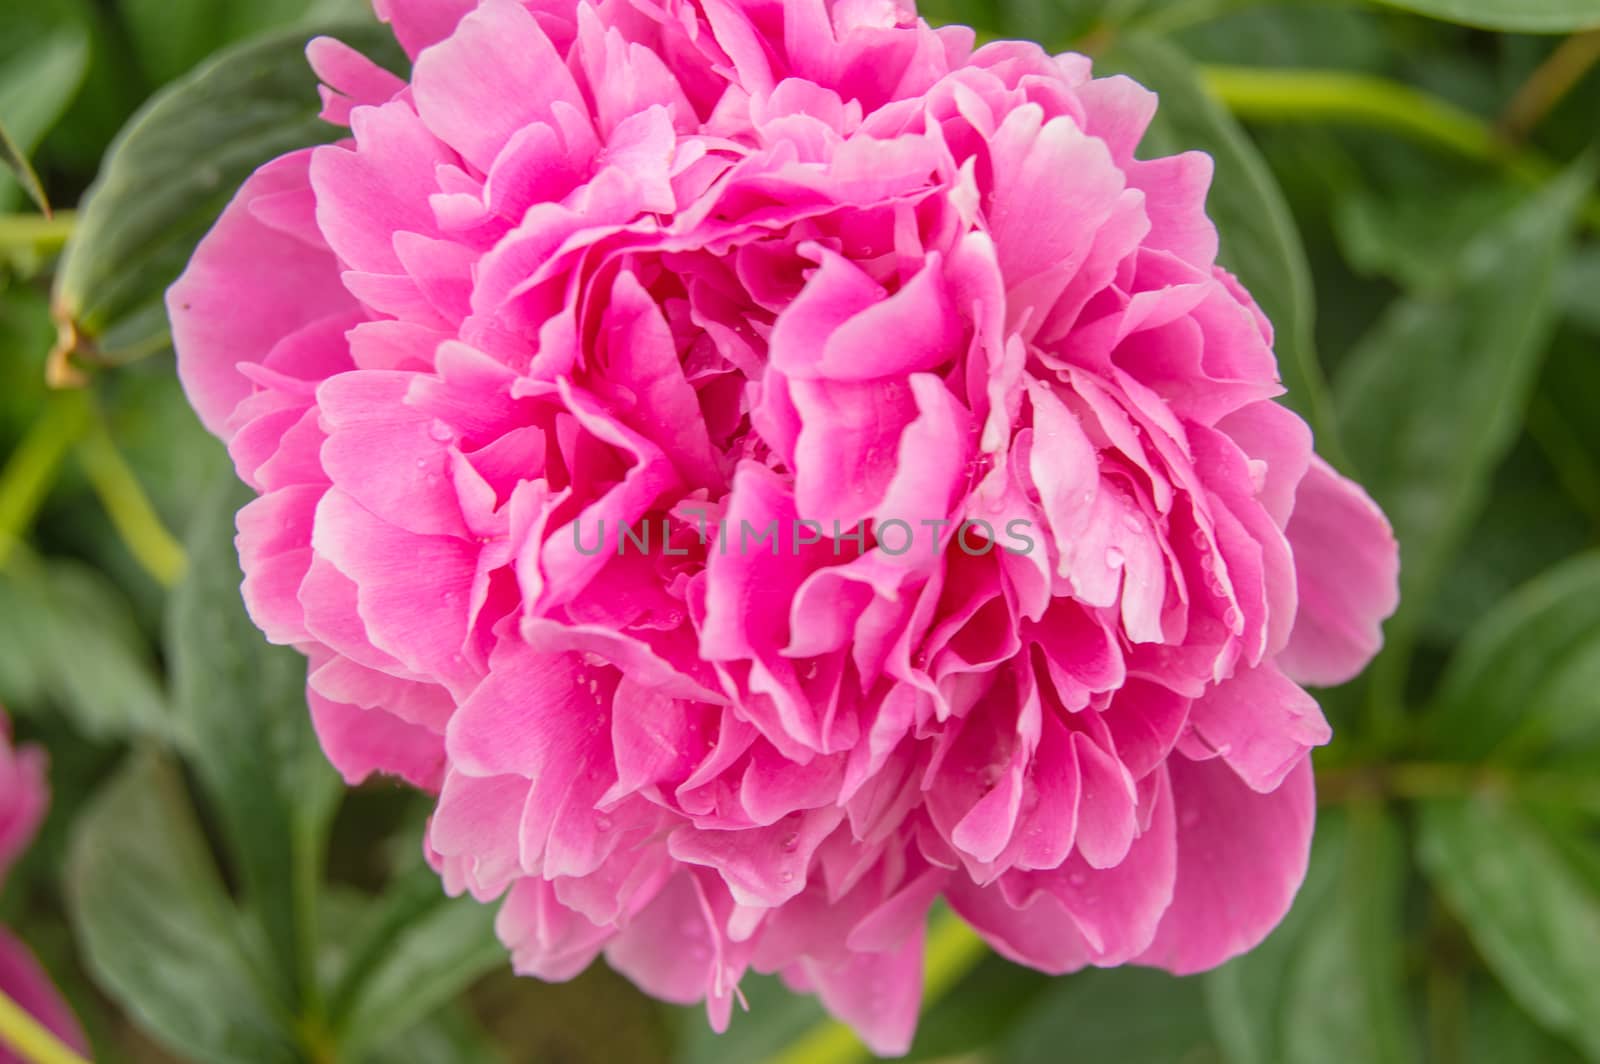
419, 23
246, 286
762, 866
547, 940
1348, 566
360, 742
27, 984
1261, 724
496, 74
410, 588
476, 825
877, 994
1241, 858
24, 796
368, 191
1041, 934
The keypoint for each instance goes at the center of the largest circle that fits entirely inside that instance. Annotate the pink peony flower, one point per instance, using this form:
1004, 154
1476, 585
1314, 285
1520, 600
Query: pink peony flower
769, 466
24, 798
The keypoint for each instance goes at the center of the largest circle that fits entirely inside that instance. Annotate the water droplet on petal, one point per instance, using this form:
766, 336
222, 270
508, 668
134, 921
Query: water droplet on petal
791, 842
785, 877
1077, 879
602, 823
441, 432
1115, 558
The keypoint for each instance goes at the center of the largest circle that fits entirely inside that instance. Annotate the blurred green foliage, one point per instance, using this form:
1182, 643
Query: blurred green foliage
1407, 186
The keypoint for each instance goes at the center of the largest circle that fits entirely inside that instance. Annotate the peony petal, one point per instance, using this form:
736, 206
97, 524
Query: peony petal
1348, 566
1241, 858
28, 985
245, 288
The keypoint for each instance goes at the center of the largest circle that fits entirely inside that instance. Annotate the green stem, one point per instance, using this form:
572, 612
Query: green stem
953, 950
1331, 95
35, 232
130, 510
1548, 85
307, 881
30, 1039
32, 467
1283, 95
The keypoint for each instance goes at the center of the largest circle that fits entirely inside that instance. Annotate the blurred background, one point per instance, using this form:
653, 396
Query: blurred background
1407, 187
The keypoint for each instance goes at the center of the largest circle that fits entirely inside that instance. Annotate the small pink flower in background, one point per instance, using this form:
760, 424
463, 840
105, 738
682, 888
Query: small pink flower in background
24, 798
689, 269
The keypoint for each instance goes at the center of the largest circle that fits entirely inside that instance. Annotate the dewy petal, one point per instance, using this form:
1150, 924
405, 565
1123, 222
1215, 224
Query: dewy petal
770, 466
878, 994
1241, 857
1261, 724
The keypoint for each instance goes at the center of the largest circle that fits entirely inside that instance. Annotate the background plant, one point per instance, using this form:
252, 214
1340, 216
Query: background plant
1408, 189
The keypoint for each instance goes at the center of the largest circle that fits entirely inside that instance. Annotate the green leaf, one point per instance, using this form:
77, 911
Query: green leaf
1260, 243
172, 170
1288, 33
416, 951
44, 53
1345, 997
979, 1010
1527, 679
449, 1036
1531, 909
1528, 524
1578, 287
156, 928
1415, 234
1497, 1031
1511, 16
242, 706
13, 158
1326, 984
1430, 402
1115, 1016
68, 638
26, 334
172, 36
